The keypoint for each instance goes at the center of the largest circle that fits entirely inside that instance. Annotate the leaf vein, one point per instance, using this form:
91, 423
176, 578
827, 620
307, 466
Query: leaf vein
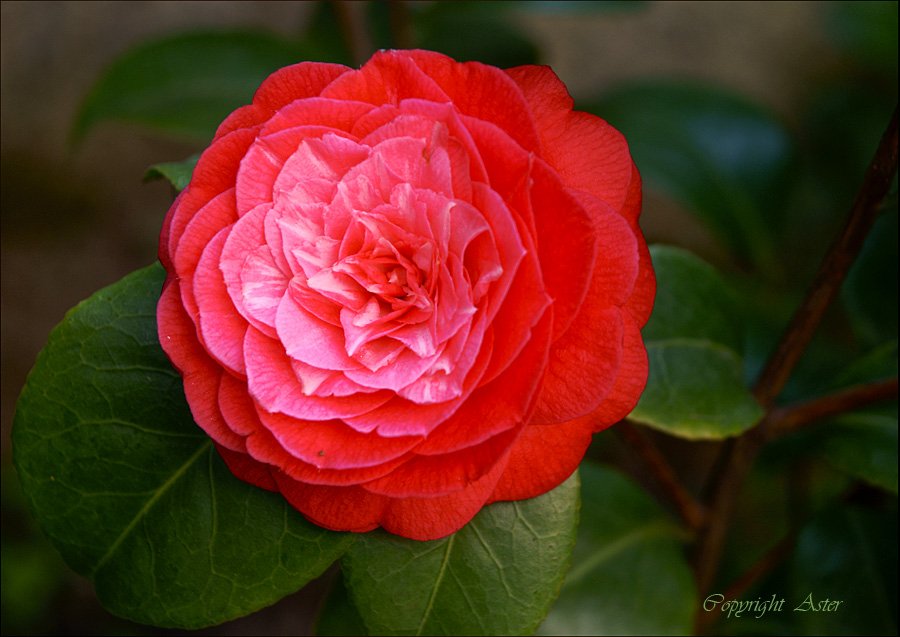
146, 508
437, 584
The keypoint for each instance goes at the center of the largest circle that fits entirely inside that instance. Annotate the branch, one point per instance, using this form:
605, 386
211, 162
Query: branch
691, 511
769, 561
834, 268
787, 419
741, 454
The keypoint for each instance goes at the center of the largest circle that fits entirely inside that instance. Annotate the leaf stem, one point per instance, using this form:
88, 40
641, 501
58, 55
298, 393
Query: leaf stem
691, 511
740, 454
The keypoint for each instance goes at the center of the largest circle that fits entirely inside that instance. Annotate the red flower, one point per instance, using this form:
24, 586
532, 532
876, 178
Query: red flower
399, 293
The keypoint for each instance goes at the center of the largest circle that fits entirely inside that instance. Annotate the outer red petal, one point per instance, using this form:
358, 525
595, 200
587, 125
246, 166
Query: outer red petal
501, 405
337, 508
387, 78
215, 172
201, 374
542, 458
430, 476
589, 154
248, 469
563, 230
630, 382
433, 518
483, 92
640, 304
306, 79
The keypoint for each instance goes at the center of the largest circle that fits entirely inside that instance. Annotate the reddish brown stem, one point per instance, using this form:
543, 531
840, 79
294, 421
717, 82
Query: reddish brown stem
688, 508
762, 567
787, 419
834, 268
825, 286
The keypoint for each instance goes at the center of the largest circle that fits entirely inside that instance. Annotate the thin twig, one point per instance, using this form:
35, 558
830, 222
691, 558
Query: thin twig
762, 567
786, 419
834, 268
740, 455
691, 511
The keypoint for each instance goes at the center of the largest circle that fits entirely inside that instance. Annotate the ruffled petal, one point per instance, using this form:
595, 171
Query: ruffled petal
588, 153
433, 518
542, 458
337, 508
630, 379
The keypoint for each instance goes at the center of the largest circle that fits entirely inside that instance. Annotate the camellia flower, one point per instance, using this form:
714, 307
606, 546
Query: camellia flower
399, 293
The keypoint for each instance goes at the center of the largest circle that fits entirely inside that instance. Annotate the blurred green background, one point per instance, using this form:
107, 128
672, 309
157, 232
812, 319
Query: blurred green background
76, 215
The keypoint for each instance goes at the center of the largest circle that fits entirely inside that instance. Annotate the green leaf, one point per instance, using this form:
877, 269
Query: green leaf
177, 173
865, 446
338, 615
629, 574
695, 390
692, 301
497, 575
870, 291
185, 85
132, 493
864, 443
849, 555
723, 157
877, 365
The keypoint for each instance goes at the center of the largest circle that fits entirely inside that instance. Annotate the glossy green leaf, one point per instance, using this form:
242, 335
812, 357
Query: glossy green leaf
870, 291
338, 615
629, 573
498, 575
723, 157
132, 493
695, 390
877, 365
177, 173
846, 555
864, 445
185, 85
692, 301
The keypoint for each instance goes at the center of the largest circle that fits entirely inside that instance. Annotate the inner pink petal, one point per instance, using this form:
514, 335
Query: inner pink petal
324, 382
310, 340
271, 381
327, 158
245, 238
263, 285
221, 326
400, 372
340, 114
